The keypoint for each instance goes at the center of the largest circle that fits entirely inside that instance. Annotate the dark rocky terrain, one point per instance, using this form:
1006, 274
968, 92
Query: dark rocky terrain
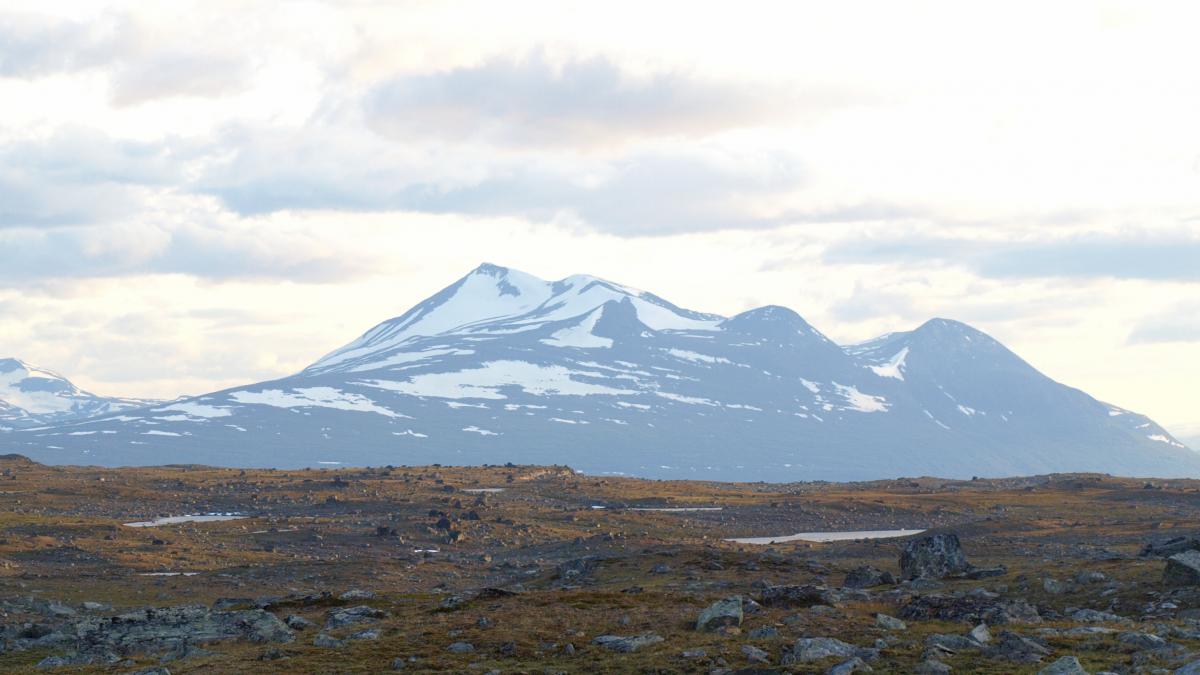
515, 569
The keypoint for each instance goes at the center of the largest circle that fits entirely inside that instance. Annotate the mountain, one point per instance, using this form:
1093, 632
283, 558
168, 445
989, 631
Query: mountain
504, 367
32, 397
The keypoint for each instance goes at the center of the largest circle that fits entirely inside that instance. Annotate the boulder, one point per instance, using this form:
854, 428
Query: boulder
351, 615
1183, 569
1170, 547
1067, 665
626, 644
805, 595
727, 612
970, 608
889, 622
868, 577
816, 649
1013, 647
933, 557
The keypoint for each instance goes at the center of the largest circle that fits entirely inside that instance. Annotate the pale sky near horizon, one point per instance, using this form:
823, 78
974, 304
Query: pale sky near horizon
200, 195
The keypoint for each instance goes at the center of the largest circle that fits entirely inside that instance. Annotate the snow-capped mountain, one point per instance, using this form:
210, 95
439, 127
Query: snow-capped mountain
504, 367
31, 397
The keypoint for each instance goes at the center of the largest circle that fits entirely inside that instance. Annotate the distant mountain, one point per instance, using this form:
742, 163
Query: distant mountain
32, 397
502, 366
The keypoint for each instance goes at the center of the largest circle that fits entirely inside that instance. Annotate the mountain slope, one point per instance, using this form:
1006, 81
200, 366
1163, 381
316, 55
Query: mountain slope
502, 366
31, 396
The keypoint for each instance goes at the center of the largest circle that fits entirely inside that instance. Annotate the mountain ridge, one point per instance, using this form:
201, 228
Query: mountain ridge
503, 366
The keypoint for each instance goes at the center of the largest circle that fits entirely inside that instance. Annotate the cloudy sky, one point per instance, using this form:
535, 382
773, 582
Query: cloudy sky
194, 196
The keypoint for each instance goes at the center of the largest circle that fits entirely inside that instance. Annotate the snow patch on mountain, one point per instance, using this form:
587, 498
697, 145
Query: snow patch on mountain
487, 381
581, 335
894, 367
312, 397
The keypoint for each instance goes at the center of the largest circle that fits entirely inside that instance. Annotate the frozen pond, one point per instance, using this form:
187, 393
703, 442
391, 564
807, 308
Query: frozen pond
827, 536
678, 509
167, 574
196, 518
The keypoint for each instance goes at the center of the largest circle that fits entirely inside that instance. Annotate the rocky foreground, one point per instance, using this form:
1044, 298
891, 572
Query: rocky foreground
541, 570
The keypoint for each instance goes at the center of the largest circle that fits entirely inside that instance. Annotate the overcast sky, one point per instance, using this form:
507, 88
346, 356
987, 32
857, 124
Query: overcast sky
194, 196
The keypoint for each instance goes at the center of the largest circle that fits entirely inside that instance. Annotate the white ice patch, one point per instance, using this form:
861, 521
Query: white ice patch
861, 402
811, 386
485, 382
894, 368
580, 335
313, 397
156, 432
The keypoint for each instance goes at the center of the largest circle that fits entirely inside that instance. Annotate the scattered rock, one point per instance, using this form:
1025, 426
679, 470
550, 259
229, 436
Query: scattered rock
931, 667
357, 594
1013, 647
889, 622
625, 644
970, 608
868, 577
763, 632
327, 641
351, 615
854, 665
297, 622
815, 649
461, 648
755, 655
727, 612
981, 634
1183, 569
1170, 547
1067, 665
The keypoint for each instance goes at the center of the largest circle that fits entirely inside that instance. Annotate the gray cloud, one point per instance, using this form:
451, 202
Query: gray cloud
178, 73
1121, 257
31, 256
36, 46
33, 46
1180, 324
642, 193
533, 102
79, 177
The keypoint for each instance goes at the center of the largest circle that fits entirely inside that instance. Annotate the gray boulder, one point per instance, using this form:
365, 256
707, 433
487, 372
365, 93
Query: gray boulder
933, 557
868, 577
815, 649
1067, 665
351, 615
1183, 569
1170, 547
727, 612
626, 644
